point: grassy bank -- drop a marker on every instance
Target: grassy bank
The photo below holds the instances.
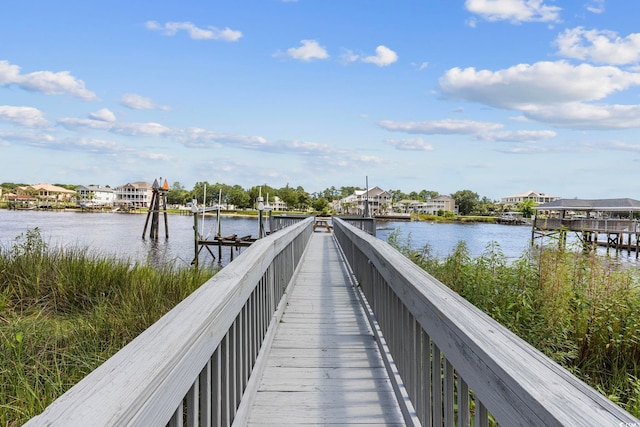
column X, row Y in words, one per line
column 65, row 311
column 582, row 310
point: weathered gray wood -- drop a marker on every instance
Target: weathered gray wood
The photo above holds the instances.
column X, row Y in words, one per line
column 324, row 366
column 146, row 381
column 517, row 383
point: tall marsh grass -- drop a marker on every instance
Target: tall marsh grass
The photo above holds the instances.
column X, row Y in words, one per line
column 580, row 309
column 65, row 311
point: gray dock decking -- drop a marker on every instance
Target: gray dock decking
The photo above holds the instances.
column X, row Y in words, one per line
column 324, row 366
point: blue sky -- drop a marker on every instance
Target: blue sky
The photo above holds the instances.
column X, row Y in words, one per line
column 495, row 96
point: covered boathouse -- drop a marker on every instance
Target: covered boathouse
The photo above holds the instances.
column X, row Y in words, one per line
column 612, row 223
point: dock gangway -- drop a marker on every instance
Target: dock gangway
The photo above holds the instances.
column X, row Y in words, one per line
column 318, row 328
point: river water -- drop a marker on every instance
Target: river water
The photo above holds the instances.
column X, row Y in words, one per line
column 120, row 235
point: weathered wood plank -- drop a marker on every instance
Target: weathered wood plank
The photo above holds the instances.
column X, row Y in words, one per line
column 324, row 366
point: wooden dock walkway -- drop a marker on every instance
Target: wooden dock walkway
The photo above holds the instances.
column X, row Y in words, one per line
column 324, row 366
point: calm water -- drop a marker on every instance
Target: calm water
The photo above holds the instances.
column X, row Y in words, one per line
column 120, row 235
column 443, row 237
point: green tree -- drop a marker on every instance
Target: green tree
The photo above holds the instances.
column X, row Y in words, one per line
column 304, row 199
column 467, row 201
column 427, row 194
column 289, row 196
column 238, row 197
column 346, row 191
column 526, row 207
column 177, row 194
column 330, row 193
column 320, row 204
column 397, row 195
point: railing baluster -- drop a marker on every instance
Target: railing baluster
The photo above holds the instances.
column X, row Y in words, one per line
column 482, row 415
column 205, row 395
column 436, row 385
column 449, row 415
column 216, row 379
column 224, row 380
column 427, row 369
column 232, row 367
column 464, row 418
column 193, row 404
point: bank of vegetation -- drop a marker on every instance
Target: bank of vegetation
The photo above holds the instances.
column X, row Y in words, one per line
column 64, row 311
column 582, row 310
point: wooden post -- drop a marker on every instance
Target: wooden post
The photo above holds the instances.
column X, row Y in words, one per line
column 154, row 211
column 195, row 237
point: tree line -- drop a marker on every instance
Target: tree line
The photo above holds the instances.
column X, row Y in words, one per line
column 296, row 198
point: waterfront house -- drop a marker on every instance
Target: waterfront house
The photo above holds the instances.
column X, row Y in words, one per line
column 46, row 193
column 536, row 196
column 276, row 205
column 377, row 199
column 134, row 195
column 95, row 196
column 431, row 206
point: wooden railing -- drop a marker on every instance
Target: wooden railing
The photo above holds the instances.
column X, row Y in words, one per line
column 193, row 366
column 588, row 224
column 364, row 224
column 278, row 222
column 457, row 365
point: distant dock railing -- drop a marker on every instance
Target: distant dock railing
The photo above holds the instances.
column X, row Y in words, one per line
column 588, row 224
column 278, row 222
column 437, row 339
column 193, row 366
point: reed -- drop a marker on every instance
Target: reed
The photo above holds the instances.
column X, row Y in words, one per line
column 64, row 311
column 580, row 309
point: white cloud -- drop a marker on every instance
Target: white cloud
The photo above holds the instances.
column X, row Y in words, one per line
column 518, row 136
column 141, row 129
column 104, row 114
column 309, row 50
column 580, row 115
column 410, row 144
column 605, row 47
column 551, row 92
column 196, row 33
column 30, row 138
column 515, row 11
column 24, row 116
column 137, row 102
column 595, row 6
column 155, row 156
column 383, row 57
column 121, row 128
column 442, row 127
column 45, row 82
column 543, row 83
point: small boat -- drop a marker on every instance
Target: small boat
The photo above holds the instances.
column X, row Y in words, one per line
column 512, row 218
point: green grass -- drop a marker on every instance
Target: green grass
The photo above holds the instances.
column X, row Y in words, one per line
column 580, row 309
column 65, row 311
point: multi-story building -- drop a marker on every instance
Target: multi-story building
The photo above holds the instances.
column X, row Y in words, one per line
column 46, row 192
column 537, row 197
column 95, row 195
column 277, row 204
column 375, row 199
column 134, row 194
column 432, row 206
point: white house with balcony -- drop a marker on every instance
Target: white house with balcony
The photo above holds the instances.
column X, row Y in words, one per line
column 377, row 199
column 536, row 196
column 95, row 196
column 134, row 194
column 433, row 206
